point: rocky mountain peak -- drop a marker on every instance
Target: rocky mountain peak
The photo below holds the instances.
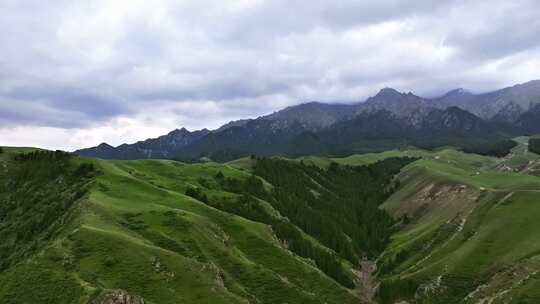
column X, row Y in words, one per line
column 458, row 92
column 388, row 93
column 181, row 132
column 400, row 104
column 104, row 146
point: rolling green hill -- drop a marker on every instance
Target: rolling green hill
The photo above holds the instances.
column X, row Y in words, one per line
column 132, row 228
column 468, row 231
column 450, row 227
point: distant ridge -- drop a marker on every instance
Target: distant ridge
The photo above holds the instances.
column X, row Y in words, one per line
column 161, row 147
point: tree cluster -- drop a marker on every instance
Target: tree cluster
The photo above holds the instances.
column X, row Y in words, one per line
column 534, row 145
column 498, row 148
column 197, row 194
column 338, row 206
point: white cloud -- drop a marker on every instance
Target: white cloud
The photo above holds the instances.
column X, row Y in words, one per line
column 116, row 132
column 117, row 71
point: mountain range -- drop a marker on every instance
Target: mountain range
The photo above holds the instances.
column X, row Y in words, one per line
column 390, row 119
column 405, row 225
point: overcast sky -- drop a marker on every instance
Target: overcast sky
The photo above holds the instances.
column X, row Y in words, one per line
column 77, row 73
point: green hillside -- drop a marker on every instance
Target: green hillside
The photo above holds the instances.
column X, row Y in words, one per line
column 132, row 228
column 469, row 230
column 442, row 226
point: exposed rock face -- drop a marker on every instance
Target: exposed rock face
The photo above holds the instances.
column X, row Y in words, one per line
column 509, row 113
column 505, row 104
column 530, row 120
column 312, row 116
column 118, row 297
column 453, row 120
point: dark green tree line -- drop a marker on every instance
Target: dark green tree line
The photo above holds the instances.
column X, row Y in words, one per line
column 338, row 206
column 534, row 145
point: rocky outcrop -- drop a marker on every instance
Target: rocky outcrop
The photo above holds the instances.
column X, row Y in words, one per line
column 366, row 281
column 118, row 296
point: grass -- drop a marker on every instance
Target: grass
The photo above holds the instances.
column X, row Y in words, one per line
column 38, row 198
column 136, row 230
column 470, row 221
column 244, row 254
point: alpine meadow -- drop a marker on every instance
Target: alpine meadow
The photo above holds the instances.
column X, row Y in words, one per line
column 265, row 151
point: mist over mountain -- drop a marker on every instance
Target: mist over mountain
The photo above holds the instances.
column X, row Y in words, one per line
column 506, row 104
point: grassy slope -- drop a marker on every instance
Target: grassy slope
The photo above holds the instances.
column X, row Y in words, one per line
column 471, row 234
column 137, row 231
column 479, row 217
column 249, row 260
column 472, row 225
column 37, row 270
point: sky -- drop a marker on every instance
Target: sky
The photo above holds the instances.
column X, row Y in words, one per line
column 74, row 74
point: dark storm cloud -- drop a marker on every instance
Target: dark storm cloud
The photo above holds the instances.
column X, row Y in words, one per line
column 63, row 109
column 44, row 104
column 221, row 89
column 83, row 64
